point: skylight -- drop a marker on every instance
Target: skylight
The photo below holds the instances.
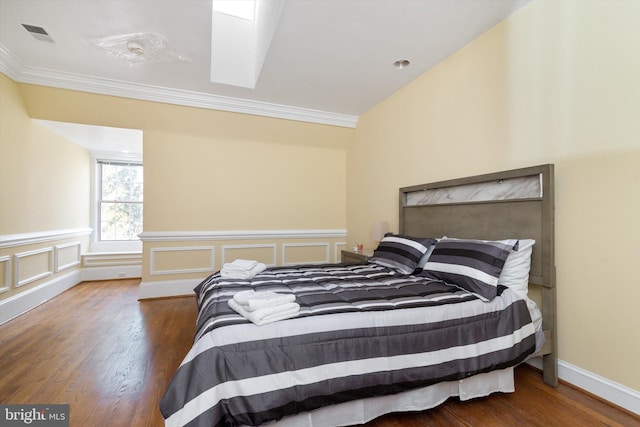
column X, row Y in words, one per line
column 245, row 9
column 239, row 45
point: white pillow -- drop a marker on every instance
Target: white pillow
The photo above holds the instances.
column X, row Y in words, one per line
column 515, row 273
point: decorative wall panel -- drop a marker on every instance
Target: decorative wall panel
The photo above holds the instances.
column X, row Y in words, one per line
column 305, row 253
column 5, row 273
column 265, row 253
column 182, row 260
column 33, row 265
column 67, row 255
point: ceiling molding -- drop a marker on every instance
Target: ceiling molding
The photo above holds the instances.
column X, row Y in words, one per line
column 10, row 66
column 14, row 69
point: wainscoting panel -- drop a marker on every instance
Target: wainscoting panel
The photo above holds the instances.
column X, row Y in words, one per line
column 33, row 265
column 265, row 253
column 182, row 260
column 5, row 273
column 107, row 259
column 37, row 266
column 305, row 253
column 111, row 265
column 173, row 263
column 337, row 250
column 67, row 255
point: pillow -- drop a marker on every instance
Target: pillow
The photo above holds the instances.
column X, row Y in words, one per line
column 515, row 273
column 400, row 252
column 473, row 265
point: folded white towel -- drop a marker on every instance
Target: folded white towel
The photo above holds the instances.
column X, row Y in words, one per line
column 240, row 264
column 268, row 314
column 232, row 273
column 252, row 300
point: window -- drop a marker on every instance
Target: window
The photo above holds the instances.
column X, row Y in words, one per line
column 119, row 209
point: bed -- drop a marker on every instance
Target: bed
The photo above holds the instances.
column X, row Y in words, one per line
column 404, row 331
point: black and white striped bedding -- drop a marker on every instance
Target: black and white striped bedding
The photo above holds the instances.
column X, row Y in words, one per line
column 363, row 330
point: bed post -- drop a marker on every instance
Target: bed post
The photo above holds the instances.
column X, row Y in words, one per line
column 549, row 318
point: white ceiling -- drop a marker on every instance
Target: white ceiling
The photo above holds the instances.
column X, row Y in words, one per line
column 329, row 60
column 100, row 140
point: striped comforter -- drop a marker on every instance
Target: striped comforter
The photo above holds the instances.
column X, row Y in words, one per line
column 363, row 330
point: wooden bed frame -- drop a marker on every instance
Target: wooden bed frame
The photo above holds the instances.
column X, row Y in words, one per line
column 515, row 204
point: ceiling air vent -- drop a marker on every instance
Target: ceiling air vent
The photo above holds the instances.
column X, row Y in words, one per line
column 38, row 32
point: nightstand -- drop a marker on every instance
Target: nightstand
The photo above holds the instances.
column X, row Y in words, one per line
column 351, row 257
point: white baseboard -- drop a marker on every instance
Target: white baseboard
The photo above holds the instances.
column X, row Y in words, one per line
column 608, row 390
column 168, row 288
column 21, row 303
column 112, row 272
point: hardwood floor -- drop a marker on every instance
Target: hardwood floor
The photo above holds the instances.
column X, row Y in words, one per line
column 111, row 357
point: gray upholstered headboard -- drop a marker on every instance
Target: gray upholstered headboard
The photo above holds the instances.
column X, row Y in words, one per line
column 514, row 204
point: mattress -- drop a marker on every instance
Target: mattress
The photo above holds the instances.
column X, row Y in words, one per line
column 363, row 332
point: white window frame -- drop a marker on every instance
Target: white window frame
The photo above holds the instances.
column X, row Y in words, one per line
column 96, row 244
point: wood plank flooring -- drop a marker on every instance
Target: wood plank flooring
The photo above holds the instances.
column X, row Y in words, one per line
column 111, row 357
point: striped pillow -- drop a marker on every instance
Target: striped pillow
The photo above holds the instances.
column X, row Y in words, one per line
column 400, row 252
column 473, row 265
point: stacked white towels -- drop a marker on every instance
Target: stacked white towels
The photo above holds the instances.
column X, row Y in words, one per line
column 264, row 307
column 242, row 269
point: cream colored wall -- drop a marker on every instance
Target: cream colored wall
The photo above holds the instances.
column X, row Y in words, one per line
column 44, row 188
column 208, row 171
column 555, row 83
column 242, row 182
column 44, row 178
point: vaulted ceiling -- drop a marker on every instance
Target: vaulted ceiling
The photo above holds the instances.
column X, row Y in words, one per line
column 325, row 61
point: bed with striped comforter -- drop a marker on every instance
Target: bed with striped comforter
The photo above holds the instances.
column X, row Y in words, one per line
column 363, row 330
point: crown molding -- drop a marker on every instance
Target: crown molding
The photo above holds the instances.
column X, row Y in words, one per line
column 11, row 66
